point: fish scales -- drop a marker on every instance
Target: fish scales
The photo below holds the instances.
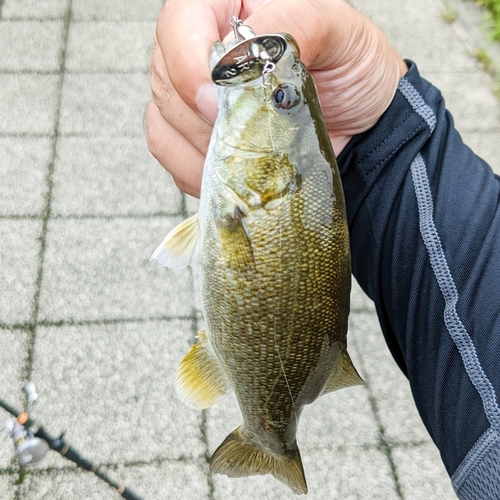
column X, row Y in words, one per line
column 272, row 243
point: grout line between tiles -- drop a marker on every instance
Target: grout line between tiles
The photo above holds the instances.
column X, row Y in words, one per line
column 98, row 217
column 41, row 471
column 36, row 19
column 48, row 200
column 384, row 446
column 96, row 322
column 21, row 217
column 204, row 438
column 184, row 459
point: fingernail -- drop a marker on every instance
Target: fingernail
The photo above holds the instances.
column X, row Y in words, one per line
column 206, row 102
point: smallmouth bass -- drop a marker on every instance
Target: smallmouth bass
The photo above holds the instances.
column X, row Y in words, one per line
column 272, row 242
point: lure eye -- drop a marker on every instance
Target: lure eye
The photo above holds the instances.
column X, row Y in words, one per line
column 285, row 96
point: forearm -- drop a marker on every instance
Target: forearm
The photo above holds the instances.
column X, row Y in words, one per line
column 425, row 232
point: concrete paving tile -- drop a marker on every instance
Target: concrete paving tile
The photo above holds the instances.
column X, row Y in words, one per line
column 111, row 388
column 74, row 484
column 192, row 204
column 350, row 474
column 472, row 111
column 100, row 269
column 18, row 268
column 406, row 9
column 340, row 419
column 252, row 487
column 195, row 271
column 104, row 105
column 13, row 354
column 412, row 42
column 114, row 176
column 222, row 418
column 353, row 474
column 34, row 9
column 23, row 170
column 7, row 488
column 7, row 457
column 388, row 385
column 359, row 300
column 186, row 479
column 31, row 45
column 116, row 10
column 485, row 144
column 109, row 46
column 425, row 459
column 28, row 103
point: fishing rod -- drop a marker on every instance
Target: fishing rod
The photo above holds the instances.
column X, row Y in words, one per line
column 32, row 442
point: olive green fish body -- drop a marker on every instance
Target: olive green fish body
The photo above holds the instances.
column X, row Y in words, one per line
column 272, row 241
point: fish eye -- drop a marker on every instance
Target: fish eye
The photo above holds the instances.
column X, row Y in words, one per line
column 285, row 97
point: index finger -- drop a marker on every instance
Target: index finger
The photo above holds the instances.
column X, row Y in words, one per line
column 186, row 31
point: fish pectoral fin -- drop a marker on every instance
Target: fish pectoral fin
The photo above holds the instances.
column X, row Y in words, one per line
column 344, row 376
column 200, row 381
column 235, row 240
column 181, row 246
column 238, row 457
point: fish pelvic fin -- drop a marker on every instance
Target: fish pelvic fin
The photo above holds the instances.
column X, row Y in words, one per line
column 200, row 381
column 344, row 376
column 238, row 457
column 180, row 248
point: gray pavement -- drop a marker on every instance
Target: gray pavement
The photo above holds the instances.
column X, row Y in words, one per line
column 100, row 329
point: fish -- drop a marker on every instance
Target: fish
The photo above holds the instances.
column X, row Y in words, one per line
column 272, row 244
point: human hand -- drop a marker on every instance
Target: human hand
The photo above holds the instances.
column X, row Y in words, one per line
column 355, row 69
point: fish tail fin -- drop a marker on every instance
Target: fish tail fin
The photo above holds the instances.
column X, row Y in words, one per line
column 238, row 457
column 200, row 381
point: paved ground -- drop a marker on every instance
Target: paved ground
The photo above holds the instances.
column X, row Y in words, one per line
column 100, row 329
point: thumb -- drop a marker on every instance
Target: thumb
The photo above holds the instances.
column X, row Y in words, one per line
column 185, row 40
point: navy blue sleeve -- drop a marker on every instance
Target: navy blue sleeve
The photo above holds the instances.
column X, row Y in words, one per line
column 424, row 219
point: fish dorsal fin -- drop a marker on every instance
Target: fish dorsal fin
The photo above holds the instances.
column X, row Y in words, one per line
column 181, row 246
column 238, row 457
column 200, row 381
column 344, row 376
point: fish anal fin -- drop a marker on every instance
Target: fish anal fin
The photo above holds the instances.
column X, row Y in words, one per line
column 180, row 247
column 200, row 381
column 238, row 457
column 343, row 376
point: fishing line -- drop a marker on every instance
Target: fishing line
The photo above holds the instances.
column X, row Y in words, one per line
column 284, row 373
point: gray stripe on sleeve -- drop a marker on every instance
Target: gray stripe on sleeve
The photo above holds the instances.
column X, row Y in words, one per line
column 441, row 270
column 417, row 102
column 478, row 476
